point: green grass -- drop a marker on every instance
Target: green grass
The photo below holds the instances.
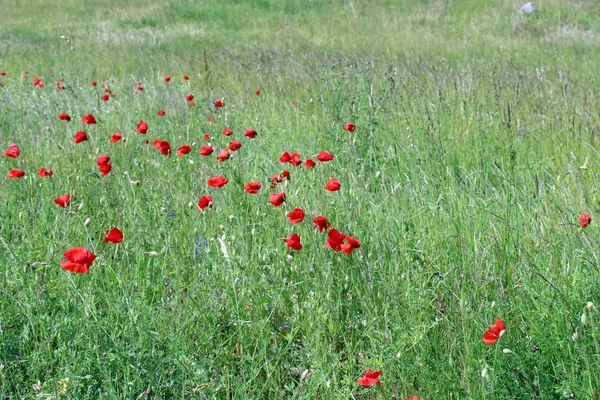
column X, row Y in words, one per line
column 474, row 155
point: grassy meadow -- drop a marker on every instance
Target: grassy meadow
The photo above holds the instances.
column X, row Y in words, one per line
column 475, row 153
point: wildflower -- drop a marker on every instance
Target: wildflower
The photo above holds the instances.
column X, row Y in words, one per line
column 63, row 201
column 15, row 173
column 205, row 201
column 142, row 127
column 370, row 378
column 42, row 173
column 94, row 83
column 277, row 199
column 250, row 133
column 181, row 151
column 257, row 91
column 296, row 216
column 115, row 137
column 186, row 78
column 494, row 333
column 163, row 146
column 88, row 119
column 223, row 155
column 189, row 97
column 335, row 240
column 161, row 113
column 293, row 242
column 114, row 235
column 206, row 150
column 80, row 136
column 309, row 163
column 324, row 156
column 79, row 260
column 234, row 146
column 585, row 220
column 64, row 117
column 252, row 187
column 217, row 181
column 333, row 185
column 219, row 104
column 13, row 151
column 349, row 127
column 227, row 132
column 167, row 78
column 321, row 223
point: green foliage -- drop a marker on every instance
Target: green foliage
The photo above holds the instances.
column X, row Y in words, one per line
column 474, row 154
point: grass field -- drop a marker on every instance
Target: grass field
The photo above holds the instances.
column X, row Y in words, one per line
column 474, row 155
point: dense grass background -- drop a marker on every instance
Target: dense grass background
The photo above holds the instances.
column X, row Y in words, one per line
column 474, row 154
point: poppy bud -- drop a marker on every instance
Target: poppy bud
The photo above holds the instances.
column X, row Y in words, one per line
column 80, row 207
column 191, row 204
column 153, row 254
column 87, row 223
column 484, row 372
column 493, row 304
column 398, row 355
column 290, row 257
column 589, row 306
column 575, row 336
column 507, row 351
column 584, row 318
column 222, row 227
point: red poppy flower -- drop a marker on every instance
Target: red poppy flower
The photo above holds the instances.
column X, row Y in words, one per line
column 584, row 219
column 189, row 97
column 295, row 161
column 413, row 398
column 142, row 127
column 350, row 245
column 80, row 136
column 114, row 236
column 140, row 88
column 63, row 201
column 105, row 169
column 293, row 242
column 163, row 146
column 186, row 78
column 94, row 83
column 277, row 199
column 183, row 150
column 105, row 97
column 161, row 113
column 102, row 160
column 36, row 81
column 13, row 151
column 252, row 187
column 15, row 173
column 321, row 223
column 335, row 240
column 64, row 117
column 494, row 333
column 219, row 104
column 3, row 73
column 234, row 146
column 227, row 132
column 285, row 157
column 257, row 91
column 42, row 173
column 88, row 119
column 370, row 378
column 167, row 78
column 206, row 136
column 206, row 150
column 333, row 185
column 223, row 155
column 324, row 156
column 349, row 127
column 250, row 133
column 60, row 86
column 296, row 216
column 79, row 260
column 115, row 137
column 309, row 163
column 205, row 201
column 217, row 181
